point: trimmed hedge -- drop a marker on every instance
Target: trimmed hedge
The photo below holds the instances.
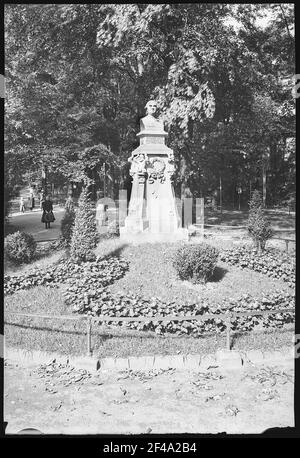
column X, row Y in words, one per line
column 259, row 227
column 195, row 262
column 84, row 233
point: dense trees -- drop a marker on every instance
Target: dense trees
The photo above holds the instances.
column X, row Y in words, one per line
column 78, row 77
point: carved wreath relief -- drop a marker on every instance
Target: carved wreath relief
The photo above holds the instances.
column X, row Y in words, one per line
column 156, row 170
column 154, row 167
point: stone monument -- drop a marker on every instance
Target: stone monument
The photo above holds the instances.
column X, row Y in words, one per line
column 152, row 212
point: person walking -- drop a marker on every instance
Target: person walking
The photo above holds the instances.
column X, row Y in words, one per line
column 47, row 216
column 22, row 205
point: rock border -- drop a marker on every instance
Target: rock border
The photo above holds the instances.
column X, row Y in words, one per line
column 223, row 359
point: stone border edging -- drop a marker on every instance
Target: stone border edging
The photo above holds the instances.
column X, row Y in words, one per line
column 223, row 359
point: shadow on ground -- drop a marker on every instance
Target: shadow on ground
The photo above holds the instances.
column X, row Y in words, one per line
column 218, row 275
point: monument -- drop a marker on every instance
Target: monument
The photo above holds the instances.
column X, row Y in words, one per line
column 152, row 213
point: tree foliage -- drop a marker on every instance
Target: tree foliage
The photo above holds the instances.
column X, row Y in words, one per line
column 78, row 77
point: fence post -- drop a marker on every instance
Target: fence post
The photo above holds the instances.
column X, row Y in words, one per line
column 228, row 325
column 89, row 335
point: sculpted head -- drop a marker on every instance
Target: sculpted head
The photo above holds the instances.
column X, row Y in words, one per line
column 151, row 107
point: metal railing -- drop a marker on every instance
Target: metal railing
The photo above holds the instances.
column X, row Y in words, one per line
column 225, row 317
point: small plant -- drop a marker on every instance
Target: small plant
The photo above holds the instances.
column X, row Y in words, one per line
column 113, row 230
column 19, row 247
column 84, row 235
column 67, row 223
column 259, row 227
column 196, row 262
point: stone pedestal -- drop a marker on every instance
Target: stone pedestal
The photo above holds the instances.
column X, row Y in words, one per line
column 152, row 213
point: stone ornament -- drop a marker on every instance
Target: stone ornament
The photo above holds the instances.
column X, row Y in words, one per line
column 156, row 170
column 138, row 164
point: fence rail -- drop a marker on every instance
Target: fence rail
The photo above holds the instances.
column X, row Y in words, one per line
column 226, row 317
column 222, row 226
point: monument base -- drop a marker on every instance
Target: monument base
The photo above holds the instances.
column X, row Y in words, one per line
column 135, row 225
column 146, row 236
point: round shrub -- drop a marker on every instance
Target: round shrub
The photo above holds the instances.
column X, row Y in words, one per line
column 19, row 247
column 195, row 262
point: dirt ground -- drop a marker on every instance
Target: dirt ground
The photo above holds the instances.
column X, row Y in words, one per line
column 57, row 399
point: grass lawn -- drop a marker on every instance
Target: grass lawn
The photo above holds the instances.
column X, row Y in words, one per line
column 150, row 274
column 42, row 261
column 283, row 226
column 69, row 337
column 279, row 221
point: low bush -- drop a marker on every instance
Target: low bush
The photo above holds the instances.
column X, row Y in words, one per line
column 272, row 262
column 195, row 262
column 19, row 247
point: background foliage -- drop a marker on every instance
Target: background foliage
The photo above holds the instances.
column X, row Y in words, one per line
column 78, row 77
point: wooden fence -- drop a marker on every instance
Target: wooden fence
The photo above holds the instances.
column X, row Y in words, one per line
column 225, row 317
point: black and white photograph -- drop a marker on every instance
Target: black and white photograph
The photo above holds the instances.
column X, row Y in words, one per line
column 149, row 219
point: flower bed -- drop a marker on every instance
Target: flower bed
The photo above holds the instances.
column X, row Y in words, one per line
column 87, row 293
column 135, row 306
column 80, row 277
column 271, row 262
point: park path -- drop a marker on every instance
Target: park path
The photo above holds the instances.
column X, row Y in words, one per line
column 57, row 399
column 30, row 222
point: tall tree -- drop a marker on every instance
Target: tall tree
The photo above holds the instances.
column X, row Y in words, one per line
column 78, row 77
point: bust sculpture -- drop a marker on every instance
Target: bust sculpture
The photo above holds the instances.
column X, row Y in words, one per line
column 150, row 122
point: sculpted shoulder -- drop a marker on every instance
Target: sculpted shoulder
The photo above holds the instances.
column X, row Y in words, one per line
column 149, row 122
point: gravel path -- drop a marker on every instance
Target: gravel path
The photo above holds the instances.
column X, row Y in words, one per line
column 60, row 399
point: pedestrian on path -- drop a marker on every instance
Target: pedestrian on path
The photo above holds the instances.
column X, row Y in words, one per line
column 22, row 205
column 47, row 216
